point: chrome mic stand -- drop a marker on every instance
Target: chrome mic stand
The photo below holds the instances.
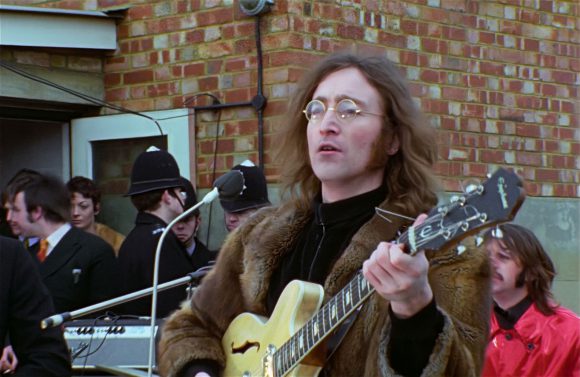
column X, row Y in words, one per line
column 192, row 279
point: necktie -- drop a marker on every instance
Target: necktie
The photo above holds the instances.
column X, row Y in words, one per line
column 42, row 249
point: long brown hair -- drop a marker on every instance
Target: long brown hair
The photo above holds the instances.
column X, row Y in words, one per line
column 538, row 271
column 408, row 173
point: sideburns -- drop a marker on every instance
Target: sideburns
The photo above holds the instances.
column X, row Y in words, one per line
column 379, row 153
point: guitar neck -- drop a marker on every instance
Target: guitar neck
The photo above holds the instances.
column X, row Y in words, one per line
column 332, row 314
column 483, row 206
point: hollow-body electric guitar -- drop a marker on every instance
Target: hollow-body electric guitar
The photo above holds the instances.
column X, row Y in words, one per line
column 282, row 345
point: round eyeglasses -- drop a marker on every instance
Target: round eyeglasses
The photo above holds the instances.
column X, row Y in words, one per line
column 345, row 109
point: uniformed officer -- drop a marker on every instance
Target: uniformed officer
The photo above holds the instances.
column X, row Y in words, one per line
column 157, row 193
column 253, row 197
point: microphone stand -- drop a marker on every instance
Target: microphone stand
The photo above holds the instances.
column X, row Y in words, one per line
column 58, row 319
column 210, row 196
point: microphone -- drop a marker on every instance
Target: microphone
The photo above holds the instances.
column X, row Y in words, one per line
column 230, row 185
column 227, row 186
column 55, row 320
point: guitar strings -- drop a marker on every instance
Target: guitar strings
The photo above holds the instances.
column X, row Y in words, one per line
column 292, row 345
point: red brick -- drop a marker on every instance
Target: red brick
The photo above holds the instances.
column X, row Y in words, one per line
column 492, row 69
column 139, row 76
column 350, row 31
column 475, row 170
column 529, row 16
column 510, row 27
column 195, row 69
column 239, row 95
column 493, row 157
column 112, row 79
column 550, row 175
column 214, row 17
column 456, row 94
column 551, row 146
column 140, row 12
column 530, row 159
column 195, row 36
column 118, row 94
column 208, row 84
column 528, row 130
column 392, row 40
column 214, row 66
column 566, row 191
column 487, row 37
column 531, row 45
column 409, row 27
column 474, row 110
column 564, row 77
column 454, row 33
column 563, row 162
column 285, row 58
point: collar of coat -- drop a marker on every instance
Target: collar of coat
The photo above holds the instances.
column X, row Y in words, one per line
column 271, row 232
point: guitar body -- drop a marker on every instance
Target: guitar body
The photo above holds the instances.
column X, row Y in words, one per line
column 246, row 341
column 289, row 343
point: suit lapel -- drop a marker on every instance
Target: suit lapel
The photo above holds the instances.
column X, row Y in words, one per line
column 67, row 247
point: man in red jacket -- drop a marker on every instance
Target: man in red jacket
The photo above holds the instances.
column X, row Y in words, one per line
column 531, row 335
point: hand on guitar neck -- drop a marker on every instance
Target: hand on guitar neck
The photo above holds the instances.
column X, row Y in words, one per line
column 400, row 277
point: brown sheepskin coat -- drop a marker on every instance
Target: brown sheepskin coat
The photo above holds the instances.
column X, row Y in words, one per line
column 239, row 283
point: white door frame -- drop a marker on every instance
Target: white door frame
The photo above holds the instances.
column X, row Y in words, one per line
column 174, row 124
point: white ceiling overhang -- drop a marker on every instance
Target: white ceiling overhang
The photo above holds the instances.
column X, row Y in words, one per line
column 56, row 28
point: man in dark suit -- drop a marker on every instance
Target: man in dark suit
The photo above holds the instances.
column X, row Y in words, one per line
column 24, row 302
column 78, row 268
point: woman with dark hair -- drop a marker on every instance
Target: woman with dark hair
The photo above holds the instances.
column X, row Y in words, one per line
column 85, row 205
column 355, row 141
column 531, row 335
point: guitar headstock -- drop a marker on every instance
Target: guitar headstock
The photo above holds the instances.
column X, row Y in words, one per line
column 495, row 201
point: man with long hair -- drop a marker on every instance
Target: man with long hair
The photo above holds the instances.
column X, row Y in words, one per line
column 354, row 141
column 531, row 335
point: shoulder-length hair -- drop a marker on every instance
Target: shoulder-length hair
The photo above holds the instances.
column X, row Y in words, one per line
column 408, row 173
column 538, row 271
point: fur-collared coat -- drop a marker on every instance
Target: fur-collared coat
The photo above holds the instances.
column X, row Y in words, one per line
column 239, row 283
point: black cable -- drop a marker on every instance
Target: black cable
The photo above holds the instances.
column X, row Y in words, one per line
column 86, row 97
column 216, row 100
column 260, row 96
column 213, row 173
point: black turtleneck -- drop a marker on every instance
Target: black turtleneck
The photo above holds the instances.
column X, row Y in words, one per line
column 507, row 318
column 323, row 240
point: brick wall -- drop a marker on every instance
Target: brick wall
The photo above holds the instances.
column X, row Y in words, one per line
column 500, row 79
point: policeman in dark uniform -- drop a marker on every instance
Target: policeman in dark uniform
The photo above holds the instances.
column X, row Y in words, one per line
column 156, row 191
column 186, row 231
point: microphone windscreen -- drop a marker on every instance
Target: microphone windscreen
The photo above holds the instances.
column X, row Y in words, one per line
column 230, row 185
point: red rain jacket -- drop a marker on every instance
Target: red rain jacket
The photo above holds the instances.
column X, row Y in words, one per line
column 538, row 346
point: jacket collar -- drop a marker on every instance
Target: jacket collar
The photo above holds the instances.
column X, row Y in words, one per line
column 62, row 252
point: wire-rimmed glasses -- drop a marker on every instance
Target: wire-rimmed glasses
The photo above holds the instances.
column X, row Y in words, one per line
column 345, row 110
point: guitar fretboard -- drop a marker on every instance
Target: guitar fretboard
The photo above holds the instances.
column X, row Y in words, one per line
column 321, row 324
column 332, row 314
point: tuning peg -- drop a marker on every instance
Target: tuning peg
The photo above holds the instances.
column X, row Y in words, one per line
column 497, row 232
column 471, row 186
column 478, row 241
column 457, row 199
column 460, row 249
